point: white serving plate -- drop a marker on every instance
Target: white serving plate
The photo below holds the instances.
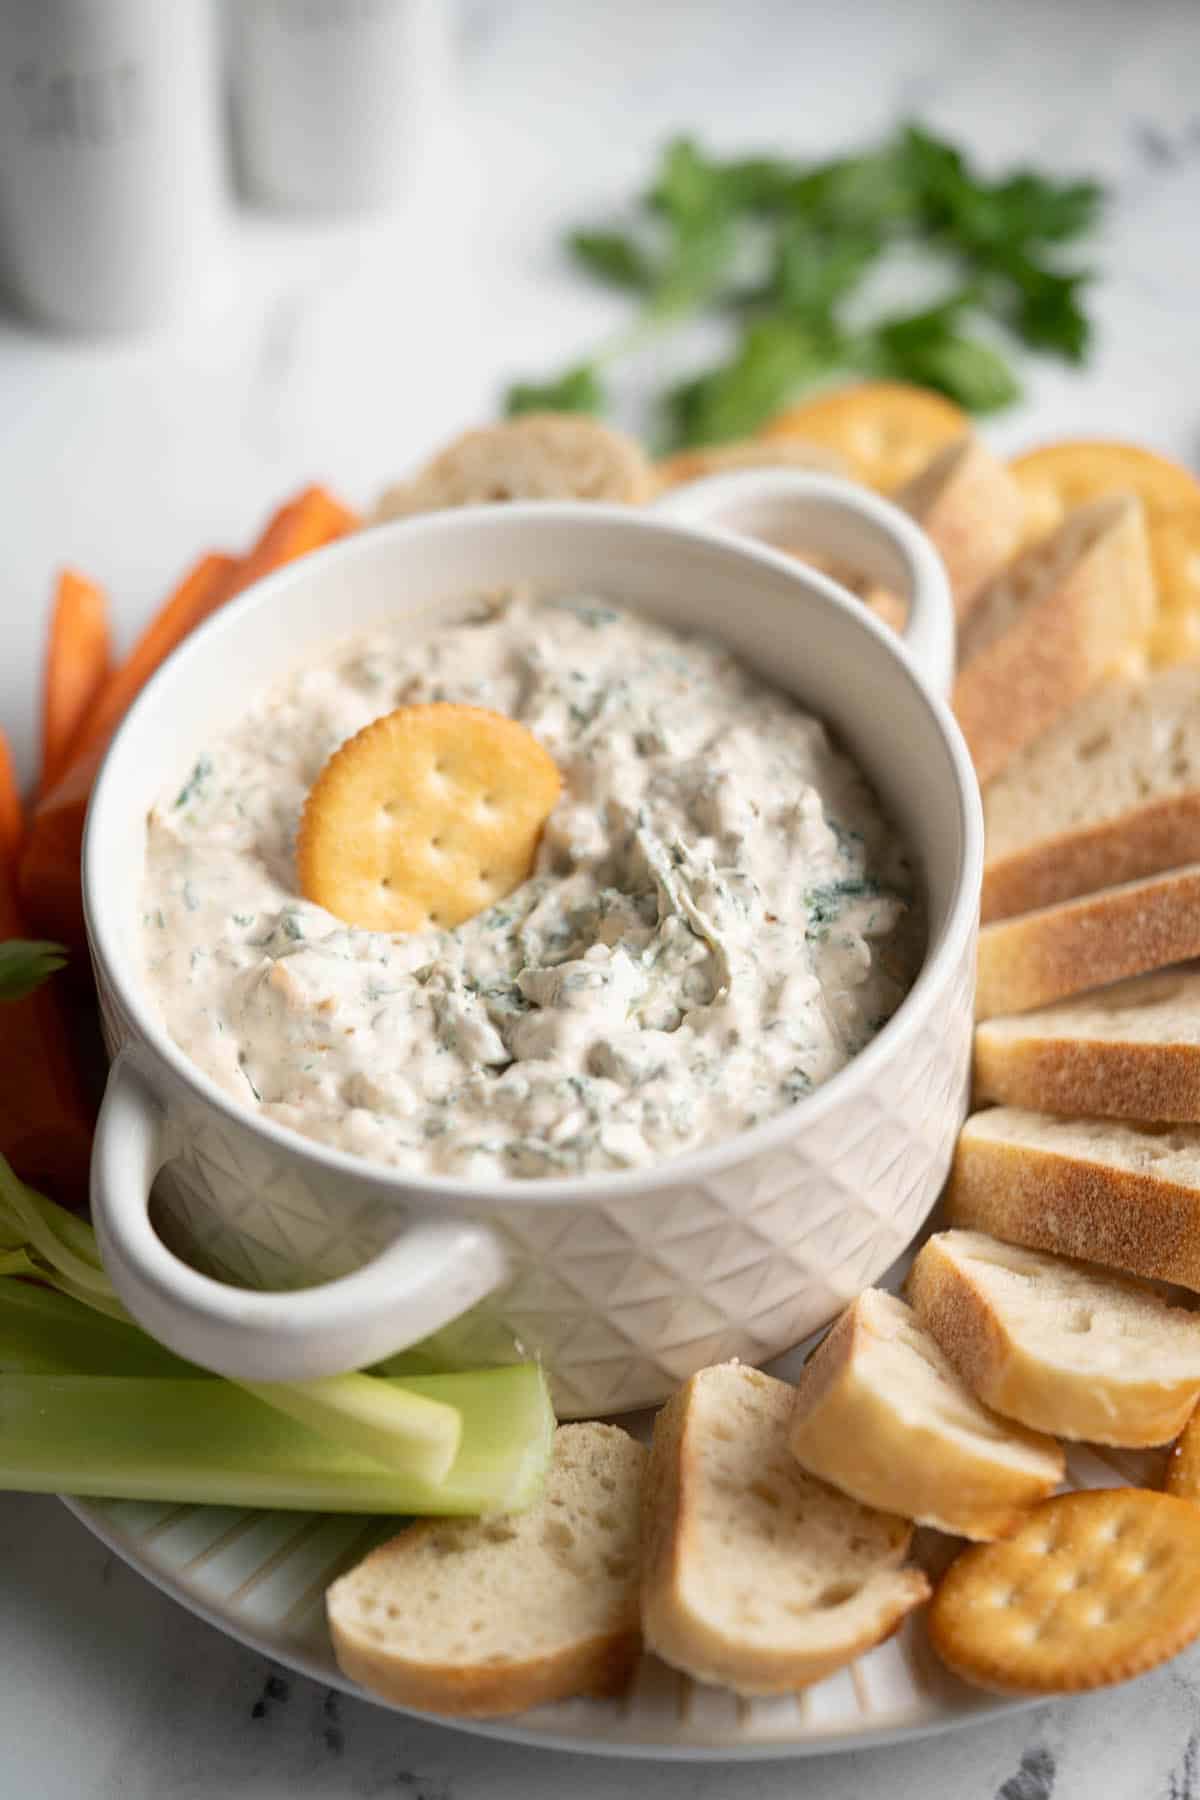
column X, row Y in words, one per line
column 261, row 1577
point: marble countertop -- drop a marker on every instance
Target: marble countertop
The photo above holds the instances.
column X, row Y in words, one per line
column 346, row 351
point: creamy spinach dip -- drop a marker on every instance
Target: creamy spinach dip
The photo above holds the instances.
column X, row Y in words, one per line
column 720, row 916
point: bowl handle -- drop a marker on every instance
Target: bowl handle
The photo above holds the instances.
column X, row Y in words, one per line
column 790, row 509
column 433, row 1270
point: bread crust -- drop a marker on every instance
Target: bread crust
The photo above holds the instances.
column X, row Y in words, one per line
column 953, row 1304
column 1075, row 1075
column 671, row 1502
column 973, row 512
column 1061, row 950
column 596, row 1668
column 537, row 456
column 1023, row 677
column 1160, row 835
column 593, row 1662
column 844, row 1431
column 1072, row 1205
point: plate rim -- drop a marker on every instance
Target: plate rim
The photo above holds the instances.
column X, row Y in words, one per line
column 831, row 1742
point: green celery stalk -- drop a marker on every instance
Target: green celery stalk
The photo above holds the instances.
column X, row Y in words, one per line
column 392, row 1424
column 387, row 1421
column 46, row 1333
column 51, row 1234
column 207, row 1442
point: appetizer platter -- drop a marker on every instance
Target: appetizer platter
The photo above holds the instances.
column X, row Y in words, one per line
column 647, row 1194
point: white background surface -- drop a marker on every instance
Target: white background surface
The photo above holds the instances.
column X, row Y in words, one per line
column 344, row 353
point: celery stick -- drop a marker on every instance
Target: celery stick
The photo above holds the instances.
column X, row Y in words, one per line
column 207, row 1442
column 68, row 1244
column 43, row 1332
column 384, row 1420
column 391, row 1423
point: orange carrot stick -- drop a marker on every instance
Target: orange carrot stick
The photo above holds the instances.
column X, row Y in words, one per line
column 45, row 1118
column 202, row 588
column 49, row 873
column 312, row 519
column 51, row 895
column 77, row 662
column 12, row 813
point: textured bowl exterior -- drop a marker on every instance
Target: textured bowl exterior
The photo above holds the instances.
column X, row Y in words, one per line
column 623, row 1299
column 625, row 1285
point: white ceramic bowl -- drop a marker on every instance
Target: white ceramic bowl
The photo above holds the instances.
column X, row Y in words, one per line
column 625, row 1283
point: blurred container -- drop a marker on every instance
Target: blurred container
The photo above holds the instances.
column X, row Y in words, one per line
column 109, row 158
column 334, row 98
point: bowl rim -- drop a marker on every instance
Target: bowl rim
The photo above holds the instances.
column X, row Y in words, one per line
column 941, row 962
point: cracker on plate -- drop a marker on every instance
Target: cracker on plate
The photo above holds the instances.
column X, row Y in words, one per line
column 886, row 431
column 1093, row 1588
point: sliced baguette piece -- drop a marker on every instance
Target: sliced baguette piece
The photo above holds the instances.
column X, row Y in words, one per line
column 1058, row 951
column 485, row 1617
column 1050, row 626
column 1109, row 794
column 542, row 456
column 1129, row 1051
column 1061, row 1346
column 1116, row 1194
column 972, row 509
column 755, row 1576
column 881, row 1414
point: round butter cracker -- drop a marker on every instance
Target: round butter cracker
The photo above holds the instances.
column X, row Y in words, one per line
column 1093, row 1588
column 428, row 816
column 887, row 431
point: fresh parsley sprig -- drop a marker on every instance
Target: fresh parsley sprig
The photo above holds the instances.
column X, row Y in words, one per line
column 781, row 249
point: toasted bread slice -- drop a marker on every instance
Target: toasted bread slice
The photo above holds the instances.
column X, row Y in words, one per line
column 489, row 1616
column 1057, row 951
column 1049, row 628
column 1109, row 794
column 881, row 1413
column 542, row 456
column 1063, row 1347
column 971, row 508
column 1119, row 1195
column 1129, row 1051
column 754, row 1575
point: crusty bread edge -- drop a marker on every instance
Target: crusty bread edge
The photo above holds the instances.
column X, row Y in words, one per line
column 1161, row 834
column 1071, row 1206
column 1017, row 1386
column 1111, row 1079
column 667, row 1629
column 935, row 1490
column 974, row 517
column 596, row 1666
column 1054, row 652
column 1048, row 955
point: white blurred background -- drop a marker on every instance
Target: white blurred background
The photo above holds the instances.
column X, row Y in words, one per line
column 344, row 350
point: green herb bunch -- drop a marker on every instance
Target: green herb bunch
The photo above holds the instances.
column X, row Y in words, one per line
column 779, row 251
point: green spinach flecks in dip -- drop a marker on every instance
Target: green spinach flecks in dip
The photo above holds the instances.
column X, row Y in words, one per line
column 720, row 916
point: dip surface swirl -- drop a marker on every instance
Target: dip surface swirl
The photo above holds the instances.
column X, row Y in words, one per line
column 719, row 919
